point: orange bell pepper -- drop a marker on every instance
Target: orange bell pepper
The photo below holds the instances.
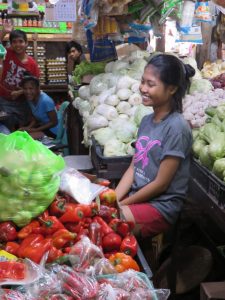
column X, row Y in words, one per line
column 123, row 262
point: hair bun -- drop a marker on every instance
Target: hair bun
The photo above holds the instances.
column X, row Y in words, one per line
column 190, row 71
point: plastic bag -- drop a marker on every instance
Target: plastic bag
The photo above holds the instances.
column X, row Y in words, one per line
column 84, row 255
column 135, row 283
column 78, row 285
column 78, row 186
column 202, row 12
column 29, row 177
column 22, row 273
column 107, row 292
column 103, row 266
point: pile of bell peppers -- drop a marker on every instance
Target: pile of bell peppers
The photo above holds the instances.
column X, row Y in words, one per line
column 64, row 223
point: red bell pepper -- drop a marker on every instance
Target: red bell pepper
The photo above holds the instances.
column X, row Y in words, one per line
column 12, row 247
column 57, row 208
column 44, row 215
column 108, row 213
column 108, row 197
column 111, row 242
column 121, row 227
column 12, row 270
column 7, row 232
column 95, row 233
column 86, row 209
column 50, row 225
column 104, row 226
column 83, row 232
column 73, row 213
column 71, row 291
column 54, row 254
column 74, row 227
column 61, row 237
column 28, row 229
column 34, row 247
column 129, row 245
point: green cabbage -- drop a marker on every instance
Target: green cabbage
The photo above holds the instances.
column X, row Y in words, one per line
column 197, row 147
column 219, row 167
column 208, row 132
column 205, row 159
column 217, row 146
column 220, row 111
column 200, row 86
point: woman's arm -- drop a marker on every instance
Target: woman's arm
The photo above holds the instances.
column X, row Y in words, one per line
column 167, row 170
column 125, row 183
column 53, row 121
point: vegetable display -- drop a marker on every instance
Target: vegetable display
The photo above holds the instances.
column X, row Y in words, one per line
column 209, row 142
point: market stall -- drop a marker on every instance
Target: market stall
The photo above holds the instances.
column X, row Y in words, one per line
column 62, row 235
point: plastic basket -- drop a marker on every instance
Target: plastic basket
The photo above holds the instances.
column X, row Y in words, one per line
column 108, row 167
column 2, row 52
column 142, row 276
column 217, row 189
column 200, row 173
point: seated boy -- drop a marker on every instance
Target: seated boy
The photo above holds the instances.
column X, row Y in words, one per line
column 44, row 115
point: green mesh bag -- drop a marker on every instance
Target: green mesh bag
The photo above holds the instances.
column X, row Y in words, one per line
column 29, row 177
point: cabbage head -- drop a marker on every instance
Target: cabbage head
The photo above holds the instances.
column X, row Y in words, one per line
column 217, row 146
column 219, row 167
column 220, row 111
column 115, row 147
column 197, row 147
column 205, row 159
column 103, row 135
column 208, row 132
column 140, row 112
column 200, row 86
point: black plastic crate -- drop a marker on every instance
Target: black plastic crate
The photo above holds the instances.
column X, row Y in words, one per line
column 217, row 189
column 108, row 167
column 200, row 173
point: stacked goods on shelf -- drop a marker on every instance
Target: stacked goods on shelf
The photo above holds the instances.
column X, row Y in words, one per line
column 41, row 60
column 56, row 70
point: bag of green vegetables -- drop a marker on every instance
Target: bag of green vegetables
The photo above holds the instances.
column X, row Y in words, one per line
column 29, row 177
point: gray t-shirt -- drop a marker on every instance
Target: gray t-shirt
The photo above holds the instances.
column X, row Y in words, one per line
column 171, row 137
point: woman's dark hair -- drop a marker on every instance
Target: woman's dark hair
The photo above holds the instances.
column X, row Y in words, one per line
column 172, row 71
column 73, row 44
column 17, row 34
column 30, row 78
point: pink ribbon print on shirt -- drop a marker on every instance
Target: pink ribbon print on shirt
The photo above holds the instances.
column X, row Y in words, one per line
column 142, row 150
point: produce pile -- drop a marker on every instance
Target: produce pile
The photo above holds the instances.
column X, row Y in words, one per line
column 79, row 245
column 209, row 141
column 111, row 105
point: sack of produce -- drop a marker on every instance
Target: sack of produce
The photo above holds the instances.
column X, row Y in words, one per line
column 29, row 177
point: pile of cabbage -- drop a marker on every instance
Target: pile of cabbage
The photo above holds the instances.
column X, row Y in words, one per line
column 111, row 105
column 209, row 142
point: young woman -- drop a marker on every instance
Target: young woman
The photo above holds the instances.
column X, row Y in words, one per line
column 157, row 178
column 44, row 116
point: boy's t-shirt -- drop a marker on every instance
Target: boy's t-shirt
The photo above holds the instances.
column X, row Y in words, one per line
column 13, row 70
column 171, row 137
column 40, row 110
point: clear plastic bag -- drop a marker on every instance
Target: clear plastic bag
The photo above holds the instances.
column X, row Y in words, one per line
column 78, row 285
column 78, row 186
column 107, row 292
column 29, row 177
column 103, row 266
column 84, row 255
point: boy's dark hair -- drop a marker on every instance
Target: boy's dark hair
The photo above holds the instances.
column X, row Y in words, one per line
column 172, row 71
column 30, row 78
column 73, row 44
column 17, row 33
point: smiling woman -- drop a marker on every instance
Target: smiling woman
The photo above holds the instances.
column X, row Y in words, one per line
column 152, row 191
